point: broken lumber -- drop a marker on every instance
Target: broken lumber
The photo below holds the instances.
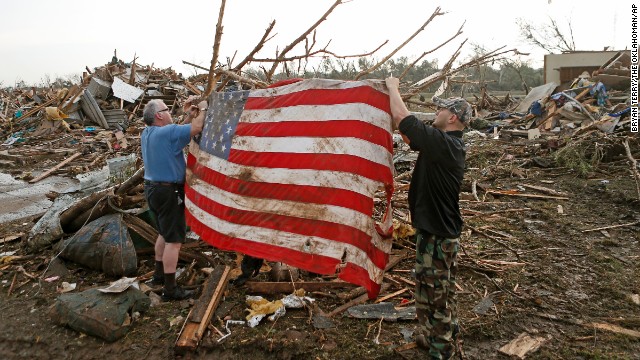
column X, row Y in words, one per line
column 612, row 226
column 36, row 109
column 393, row 261
column 200, row 316
column 533, row 196
column 10, row 238
column 522, row 345
column 48, row 172
column 289, row 287
column 357, row 301
column 387, row 297
column 545, row 190
column 616, row 329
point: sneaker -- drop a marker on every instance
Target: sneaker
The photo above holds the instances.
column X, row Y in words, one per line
column 178, row 293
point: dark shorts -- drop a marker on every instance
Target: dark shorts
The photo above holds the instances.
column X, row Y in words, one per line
column 166, row 202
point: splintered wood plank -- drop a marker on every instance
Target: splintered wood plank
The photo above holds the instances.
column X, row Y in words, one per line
column 357, row 301
column 389, row 296
column 533, row 196
column 200, row 315
column 616, row 329
column 522, row 345
column 35, row 109
column 11, row 238
column 215, row 300
column 48, row 172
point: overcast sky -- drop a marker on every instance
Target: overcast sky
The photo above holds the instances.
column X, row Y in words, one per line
column 59, row 38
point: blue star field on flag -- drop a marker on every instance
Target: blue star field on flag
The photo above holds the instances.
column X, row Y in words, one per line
column 222, row 119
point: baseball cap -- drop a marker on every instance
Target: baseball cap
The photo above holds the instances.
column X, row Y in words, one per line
column 456, row 105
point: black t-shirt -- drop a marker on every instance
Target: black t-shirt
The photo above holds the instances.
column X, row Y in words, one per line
column 436, row 179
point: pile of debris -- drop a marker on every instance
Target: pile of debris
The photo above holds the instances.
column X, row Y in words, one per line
column 597, row 101
column 87, row 123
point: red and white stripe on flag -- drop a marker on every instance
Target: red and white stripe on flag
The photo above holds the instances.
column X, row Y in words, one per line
column 289, row 174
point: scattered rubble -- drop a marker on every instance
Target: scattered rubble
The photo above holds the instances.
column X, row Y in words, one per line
column 90, row 132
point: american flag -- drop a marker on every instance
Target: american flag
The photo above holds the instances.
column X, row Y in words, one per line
column 289, row 174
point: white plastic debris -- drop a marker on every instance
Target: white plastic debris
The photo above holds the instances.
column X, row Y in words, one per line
column 121, row 285
column 226, row 326
column 65, row 287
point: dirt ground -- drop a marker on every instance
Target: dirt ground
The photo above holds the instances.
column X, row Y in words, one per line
column 533, row 262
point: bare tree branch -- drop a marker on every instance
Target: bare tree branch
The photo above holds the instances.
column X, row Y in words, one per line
column 448, row 71
column 257, row 48
column 295, row 42
column 318, row 52
column 404, row 73
column 241, row 79
column 373, row 68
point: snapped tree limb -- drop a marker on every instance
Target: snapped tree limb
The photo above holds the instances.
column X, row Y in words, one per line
column 374, row 67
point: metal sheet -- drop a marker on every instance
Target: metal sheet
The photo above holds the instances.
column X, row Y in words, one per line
column 124, row 91
column 91, row 108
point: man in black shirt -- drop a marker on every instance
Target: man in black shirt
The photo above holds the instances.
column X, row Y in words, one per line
column 435, row 213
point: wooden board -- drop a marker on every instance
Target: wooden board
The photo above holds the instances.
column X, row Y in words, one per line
column 48, row 172
column 200, row 315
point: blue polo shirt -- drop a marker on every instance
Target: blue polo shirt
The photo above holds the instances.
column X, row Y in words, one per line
column 162, row 152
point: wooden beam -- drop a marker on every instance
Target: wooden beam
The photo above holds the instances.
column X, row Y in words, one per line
column 389, row 296
column 357, row 301
column 393, row 261
column 10, row 238
column 200, row 316
column 533, row 196
column 545, row 190
column 289, row 287
column 612, row 226
column 48, row 172
column 192, row 88
column 36, row 109
column 616, row 329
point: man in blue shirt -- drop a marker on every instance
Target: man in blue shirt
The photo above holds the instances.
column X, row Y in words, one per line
column 435, row 213
column 165, row 169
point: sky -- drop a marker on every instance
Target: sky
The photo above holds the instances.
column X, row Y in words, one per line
column 46, row 38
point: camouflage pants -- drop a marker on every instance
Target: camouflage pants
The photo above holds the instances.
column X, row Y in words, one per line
column 436, row 268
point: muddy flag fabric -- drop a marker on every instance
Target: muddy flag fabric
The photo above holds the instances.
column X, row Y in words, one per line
column 289, row 173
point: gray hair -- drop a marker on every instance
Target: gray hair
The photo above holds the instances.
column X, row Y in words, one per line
column 150, row 111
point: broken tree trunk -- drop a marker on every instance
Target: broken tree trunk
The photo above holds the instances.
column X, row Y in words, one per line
column 79, row 210
column 149, row 234
column 131, row 182
column 216, row 50
column 96, row 204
